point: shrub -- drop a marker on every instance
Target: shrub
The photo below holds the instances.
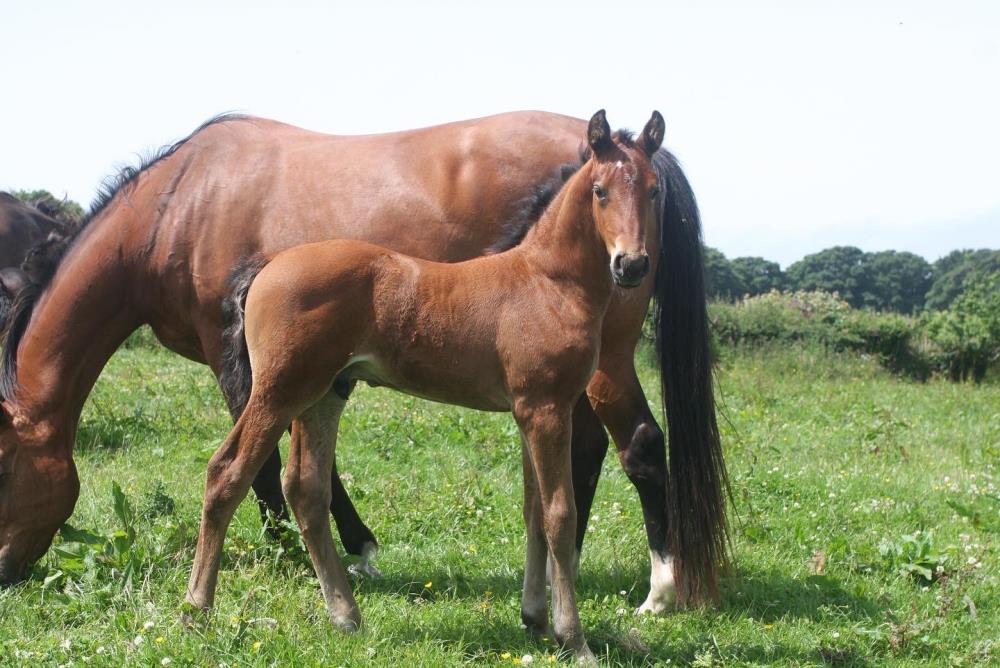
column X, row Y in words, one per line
column 823, row 318
column 964, row 341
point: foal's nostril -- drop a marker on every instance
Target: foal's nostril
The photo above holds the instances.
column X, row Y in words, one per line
column 616, row 263
column 632, row 268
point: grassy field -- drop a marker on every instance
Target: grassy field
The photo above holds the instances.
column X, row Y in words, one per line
column 865, row 533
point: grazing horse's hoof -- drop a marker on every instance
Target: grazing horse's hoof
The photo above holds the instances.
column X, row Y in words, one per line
column 662, row 590
column 365, row 566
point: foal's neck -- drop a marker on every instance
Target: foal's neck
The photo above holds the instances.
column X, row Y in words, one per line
column 565, row 245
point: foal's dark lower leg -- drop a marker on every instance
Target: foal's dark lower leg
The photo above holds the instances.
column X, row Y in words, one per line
column 590, row 445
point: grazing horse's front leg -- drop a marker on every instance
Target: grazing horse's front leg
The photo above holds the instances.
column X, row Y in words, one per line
column 590, row 445
column 618, row 399
column 545, row 428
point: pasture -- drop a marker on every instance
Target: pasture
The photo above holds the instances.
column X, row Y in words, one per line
column 865, row 532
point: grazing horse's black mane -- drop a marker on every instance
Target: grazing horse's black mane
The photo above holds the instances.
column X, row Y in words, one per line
column 531, row 208
column 43, row 259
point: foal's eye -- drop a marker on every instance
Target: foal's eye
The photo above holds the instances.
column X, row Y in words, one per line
column 654, row 192
column 600, row 192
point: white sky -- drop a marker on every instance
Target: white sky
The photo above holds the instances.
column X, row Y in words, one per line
column 801, row 125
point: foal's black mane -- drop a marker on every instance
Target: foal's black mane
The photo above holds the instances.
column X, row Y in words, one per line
column 530, row 209
column 43, row 259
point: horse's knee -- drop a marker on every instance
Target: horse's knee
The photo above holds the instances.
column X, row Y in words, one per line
column 645, row 457
column 309, row 497
column 291, row 487
column 560, row 519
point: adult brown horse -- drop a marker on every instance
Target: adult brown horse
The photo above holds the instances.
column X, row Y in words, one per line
column 448, row 332
column 159, row 244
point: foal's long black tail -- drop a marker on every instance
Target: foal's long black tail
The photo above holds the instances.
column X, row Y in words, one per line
column 236, row 378
column 697, row 481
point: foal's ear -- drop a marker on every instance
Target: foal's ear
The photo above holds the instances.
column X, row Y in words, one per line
column 599, row 133
column 652, row 134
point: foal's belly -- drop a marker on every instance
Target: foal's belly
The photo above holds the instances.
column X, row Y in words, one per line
column 446, row 383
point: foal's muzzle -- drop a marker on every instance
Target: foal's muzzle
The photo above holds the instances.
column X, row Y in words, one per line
column 628, row 269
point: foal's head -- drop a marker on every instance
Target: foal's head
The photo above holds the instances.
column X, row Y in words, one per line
column 625, row 188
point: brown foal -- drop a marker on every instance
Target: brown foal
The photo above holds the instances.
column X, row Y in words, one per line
column 448, row 332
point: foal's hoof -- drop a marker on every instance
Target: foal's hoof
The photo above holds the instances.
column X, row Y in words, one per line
column 346, row 623
column 585, row 657
column 578, row 645
column 193, row 616
column 536, row 625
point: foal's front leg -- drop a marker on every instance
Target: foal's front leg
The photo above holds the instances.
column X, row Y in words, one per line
column 546, row 432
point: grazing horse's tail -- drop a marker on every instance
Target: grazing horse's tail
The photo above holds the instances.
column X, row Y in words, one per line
column 236, row 377
column 697, row 482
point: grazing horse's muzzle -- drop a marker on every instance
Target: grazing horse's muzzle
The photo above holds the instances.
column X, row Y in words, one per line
column 11, row 576
column 628, row 269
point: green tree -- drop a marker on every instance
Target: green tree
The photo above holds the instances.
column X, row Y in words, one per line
column 758, row 275
column 955, row 270
column 64, row 210
column 895, row 281
column 721, row 282
column 965, row 339
column 840, row 269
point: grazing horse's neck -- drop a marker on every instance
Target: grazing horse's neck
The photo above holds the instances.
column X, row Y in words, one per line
column 565, row 244
column 77, row 324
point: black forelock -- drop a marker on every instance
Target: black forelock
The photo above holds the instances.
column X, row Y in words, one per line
column 625, row 137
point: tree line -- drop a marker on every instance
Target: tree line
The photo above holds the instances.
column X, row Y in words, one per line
column 884, row 281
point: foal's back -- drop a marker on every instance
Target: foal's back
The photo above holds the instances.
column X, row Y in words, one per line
column 464, row 333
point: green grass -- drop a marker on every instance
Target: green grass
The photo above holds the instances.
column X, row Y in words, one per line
column 834, row 463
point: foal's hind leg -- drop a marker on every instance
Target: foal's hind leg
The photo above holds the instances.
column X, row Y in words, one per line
column 534, row 607
column 307, row 486
column 230, row 472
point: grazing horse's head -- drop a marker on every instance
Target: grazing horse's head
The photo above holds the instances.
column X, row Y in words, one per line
column 38, row 489
column 625, row 187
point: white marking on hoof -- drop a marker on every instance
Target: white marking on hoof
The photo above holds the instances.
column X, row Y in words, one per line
column 365, row 566
column 662, row 589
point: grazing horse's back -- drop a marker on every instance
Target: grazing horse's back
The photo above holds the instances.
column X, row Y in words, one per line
column 246, row 186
